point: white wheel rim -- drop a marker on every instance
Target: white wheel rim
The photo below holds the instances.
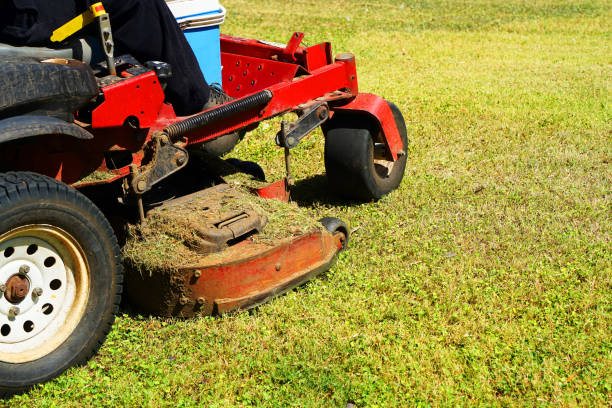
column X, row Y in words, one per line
column 56, row 265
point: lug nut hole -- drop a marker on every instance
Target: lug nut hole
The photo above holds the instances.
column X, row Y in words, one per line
column 5, row 330
column 8, row 252
column 49, row 262
column 28, row 326
column 47, row 308
column 32, row 249
column 55, row 284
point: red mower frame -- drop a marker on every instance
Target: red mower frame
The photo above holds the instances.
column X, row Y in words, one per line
column 133, row 108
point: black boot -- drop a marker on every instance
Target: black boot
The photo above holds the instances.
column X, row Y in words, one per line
column 222, row 144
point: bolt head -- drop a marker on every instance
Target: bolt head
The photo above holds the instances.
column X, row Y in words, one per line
column 141, row 185
column 24, row 269
column 2, row 288
column 290, row 140
column 37, row 292
column 13, row 311
column 197, row 274
column 201, row 301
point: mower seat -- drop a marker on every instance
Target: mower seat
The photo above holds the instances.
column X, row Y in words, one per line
column 55, row 88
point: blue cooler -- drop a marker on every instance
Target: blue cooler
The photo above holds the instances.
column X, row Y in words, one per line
column 200, row 21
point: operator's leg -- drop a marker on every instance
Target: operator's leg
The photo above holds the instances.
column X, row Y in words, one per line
column 147, row 30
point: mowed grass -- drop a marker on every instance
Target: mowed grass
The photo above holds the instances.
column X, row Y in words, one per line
column 485, row 279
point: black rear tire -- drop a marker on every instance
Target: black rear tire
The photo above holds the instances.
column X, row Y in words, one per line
column 61, row 221
column 47, row 89
column 352, row 167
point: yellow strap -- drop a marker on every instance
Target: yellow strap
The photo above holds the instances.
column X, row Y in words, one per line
column 78, row 22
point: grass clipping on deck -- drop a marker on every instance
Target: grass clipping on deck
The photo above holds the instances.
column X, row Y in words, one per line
column 166, row 239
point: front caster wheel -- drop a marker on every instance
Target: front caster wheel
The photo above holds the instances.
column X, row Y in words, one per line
column 336, row 226
column 60, row 278
column 355, row 160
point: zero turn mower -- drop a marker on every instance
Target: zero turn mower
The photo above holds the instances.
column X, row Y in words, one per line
column 92, row 157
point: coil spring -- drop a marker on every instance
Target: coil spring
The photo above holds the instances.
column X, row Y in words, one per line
column 222, row 112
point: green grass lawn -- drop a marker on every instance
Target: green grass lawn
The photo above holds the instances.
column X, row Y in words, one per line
column 485, row 279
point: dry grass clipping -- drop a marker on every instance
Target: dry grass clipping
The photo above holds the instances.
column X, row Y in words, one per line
column 168, row 237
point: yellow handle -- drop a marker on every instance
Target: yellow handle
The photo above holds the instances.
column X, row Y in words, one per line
column 78, row 22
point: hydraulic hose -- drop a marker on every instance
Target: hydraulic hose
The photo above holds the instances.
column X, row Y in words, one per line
column 224, row 111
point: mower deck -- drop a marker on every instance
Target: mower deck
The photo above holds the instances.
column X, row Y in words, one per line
column 217, row 251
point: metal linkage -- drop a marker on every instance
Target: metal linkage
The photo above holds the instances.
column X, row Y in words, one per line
column 291, row 133
column 311, row 118
column 167, row 158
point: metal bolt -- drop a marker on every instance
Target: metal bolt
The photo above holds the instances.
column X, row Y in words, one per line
column 322, row 113
column 197, row 274
column 13, row 311
column 2, row 288
column 164, row 140
column 141, row 185
column 24, row 269
column 183, row 300
column 290, row 140
column 37, row 292
column 180, row 159
column 201, row 301
column 401, row 153
column 277, row 267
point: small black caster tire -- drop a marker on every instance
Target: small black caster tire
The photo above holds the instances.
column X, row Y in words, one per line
column 335, row 225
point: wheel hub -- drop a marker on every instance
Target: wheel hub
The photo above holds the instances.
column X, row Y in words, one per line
column 44, row 283
column 17, row 288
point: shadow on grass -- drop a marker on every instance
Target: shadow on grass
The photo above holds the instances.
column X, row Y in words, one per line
column 316, row 190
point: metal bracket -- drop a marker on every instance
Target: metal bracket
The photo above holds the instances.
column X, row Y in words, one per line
column 167, row 159
column 311, row 118
column 106, row 36
column 293, row 44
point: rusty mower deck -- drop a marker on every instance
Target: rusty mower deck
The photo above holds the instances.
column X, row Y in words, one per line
column 216, row 250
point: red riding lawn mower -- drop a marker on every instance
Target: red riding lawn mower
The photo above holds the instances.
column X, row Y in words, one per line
column 92, row 157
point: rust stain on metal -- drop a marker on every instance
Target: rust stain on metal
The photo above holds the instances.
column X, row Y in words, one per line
column 241, row 277
column 17, row 288
column 228, row 260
